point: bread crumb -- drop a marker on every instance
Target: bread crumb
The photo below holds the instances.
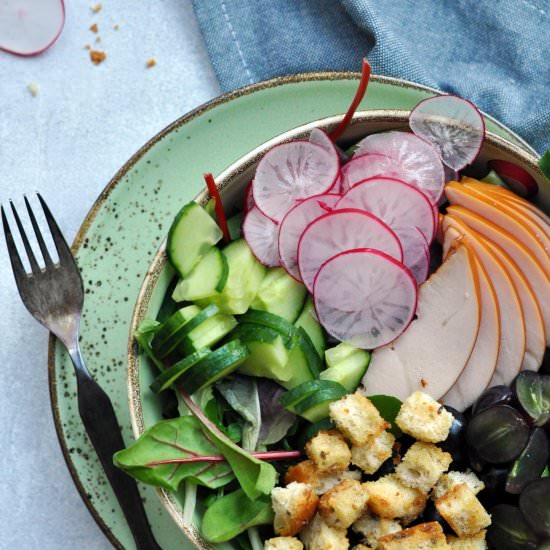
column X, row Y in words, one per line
column 98, row 39
column 87, row 47
column 151, row 62
column 94, row 28
column 96, row 8
column 116, row 27
column 33, row 89
column 97, row 57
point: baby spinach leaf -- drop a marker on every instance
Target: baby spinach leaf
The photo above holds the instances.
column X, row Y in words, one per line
column 544, row 164
column 170, row 439
column 232, row 514
column 255, row 476
column 241, row 393
column 388, row 406
column 143, row 335
column 276, row 419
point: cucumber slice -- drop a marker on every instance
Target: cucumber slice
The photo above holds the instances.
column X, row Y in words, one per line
column 243, row 281
column 315, row 407
column 339, row 353
column 270, row 320
column 291, row 398
column 207, row 278
column 172, row 326
column 170, row 375
column 303, row 361
column 206, row 333
column 308, row 321
column 268, row 352
column 493, row 178
column 191, row 236
column 349, row 370
column 218, row 364
column 234, row 224
column 280, row 294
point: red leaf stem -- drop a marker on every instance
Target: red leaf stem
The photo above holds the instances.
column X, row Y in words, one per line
column 361, row 90
column 220, row 213
column 262, row 455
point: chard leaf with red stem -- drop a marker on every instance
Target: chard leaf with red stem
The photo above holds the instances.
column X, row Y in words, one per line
column 218, row 206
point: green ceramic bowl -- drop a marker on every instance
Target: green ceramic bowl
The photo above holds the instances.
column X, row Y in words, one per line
column 145, row 407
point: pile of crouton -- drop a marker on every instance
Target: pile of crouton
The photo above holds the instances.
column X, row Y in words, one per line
column 323, row 497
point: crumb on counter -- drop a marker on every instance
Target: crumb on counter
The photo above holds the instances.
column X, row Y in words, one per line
column 87, row 47
column 94, row 28
column 96, row 8
column 33, row 89
column 98, row 39
column 97, row 57
column 116, row 27
column 151, row 62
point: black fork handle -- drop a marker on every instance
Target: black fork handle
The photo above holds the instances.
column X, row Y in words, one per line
column 100, row 421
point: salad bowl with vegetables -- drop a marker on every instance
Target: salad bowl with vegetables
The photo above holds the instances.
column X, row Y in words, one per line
column 343, row 285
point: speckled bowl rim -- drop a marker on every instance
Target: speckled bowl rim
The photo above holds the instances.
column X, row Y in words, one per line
column 224, row 179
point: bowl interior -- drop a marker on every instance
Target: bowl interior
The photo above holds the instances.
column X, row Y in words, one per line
column 146, row 407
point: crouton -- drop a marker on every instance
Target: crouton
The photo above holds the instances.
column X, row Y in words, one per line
column 294, row 506
column 307, row 472
column 450, row 479
column 424, row 418
column 476, row 542
column 357, row 418
column 461, row 509
column 283, row 543
column 390, row 499
column 422, row 466
column 426, row 536
column 329, row 451
column 320, row 536
column 374, row 528
column 371, row 456
column 343, row 504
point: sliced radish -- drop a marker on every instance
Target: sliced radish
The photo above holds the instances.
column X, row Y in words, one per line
column 339, row 231
column 519, row 181
column 453, row 125
column 28, row 27
column 367, row 166
column 248, row 197
column 418, row 161
column 395, row 202
column 337, row 187
column 321, row 138
column 450, row 174
column 293, row 225
column 416, row 253
column 364, row 297
column 260, row 233
column 290, row 172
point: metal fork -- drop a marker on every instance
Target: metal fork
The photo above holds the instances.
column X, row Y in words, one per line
column 54, row 296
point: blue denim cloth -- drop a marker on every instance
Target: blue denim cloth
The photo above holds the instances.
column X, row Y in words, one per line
column 494, row 52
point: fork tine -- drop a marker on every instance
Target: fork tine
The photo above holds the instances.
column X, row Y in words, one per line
column 16, row 264
column 30, row 254
column 43, row 248
column 63, row 250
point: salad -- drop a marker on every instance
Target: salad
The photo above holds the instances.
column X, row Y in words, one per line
column 351, row 358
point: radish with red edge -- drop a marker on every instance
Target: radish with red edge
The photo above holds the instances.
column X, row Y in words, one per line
column 519, row 180
column 395, row 202
column 290, row 172
column 294, row 224
column 453, row 125
column 364, row 297
column 418, row 161
column 321, row 138
column 260, row 233
column 28, row 27
column 367, row 166
column 450, row 174
column 248, row 198
column 416, row 253
column 339, row 231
